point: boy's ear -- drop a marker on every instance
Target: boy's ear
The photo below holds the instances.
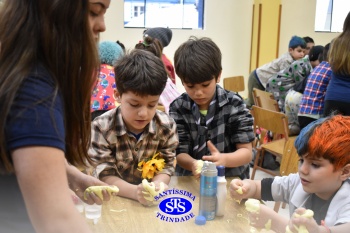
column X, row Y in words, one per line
column 345, row 173
column 218, row 79
column 117, row 95
column 290, row 50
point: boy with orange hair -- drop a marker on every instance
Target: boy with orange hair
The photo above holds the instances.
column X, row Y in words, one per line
column 322, row 184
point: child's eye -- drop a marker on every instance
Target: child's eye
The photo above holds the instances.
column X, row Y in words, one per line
column 134, row 105
column 315, row 165
column 301, row 161
column 190, row 86
column 205, row 85
column 151, row 106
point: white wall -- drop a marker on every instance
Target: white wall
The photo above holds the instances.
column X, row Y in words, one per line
column 298, row 18
column 228, row 23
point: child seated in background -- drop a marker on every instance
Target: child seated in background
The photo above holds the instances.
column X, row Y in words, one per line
column 213, row 124
column 291, row 82
column 102, row 98
column 309, row 44
column 322, row 184
column 134, row 131
column 295, row 93
column 312, row 101
column 170, row 91
column 259, row 77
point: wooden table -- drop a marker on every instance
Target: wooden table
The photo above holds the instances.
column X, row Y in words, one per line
column 125, row 215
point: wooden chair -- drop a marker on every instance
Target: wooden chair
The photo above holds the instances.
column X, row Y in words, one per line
column 235, row 83
column 265, row 100
column 275, row 122
column 289, row 163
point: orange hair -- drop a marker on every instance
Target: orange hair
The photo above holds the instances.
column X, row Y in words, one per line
column 331, row 140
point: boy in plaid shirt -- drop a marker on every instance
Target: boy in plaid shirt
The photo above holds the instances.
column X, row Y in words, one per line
column 135, row 131
column 213, row 124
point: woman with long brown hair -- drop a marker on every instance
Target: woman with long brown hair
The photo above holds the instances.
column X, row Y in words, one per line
column 48, row 60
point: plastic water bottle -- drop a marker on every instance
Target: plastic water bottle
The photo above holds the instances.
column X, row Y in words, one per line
column 221, row 192
column 208, row 187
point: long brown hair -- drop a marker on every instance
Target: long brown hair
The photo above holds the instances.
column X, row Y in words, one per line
column 57, row 34
column 339, row 53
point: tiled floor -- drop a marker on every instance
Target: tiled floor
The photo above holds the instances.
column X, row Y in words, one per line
column 260, row 175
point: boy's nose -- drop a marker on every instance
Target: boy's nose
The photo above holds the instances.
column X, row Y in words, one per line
column 142, row 112
column 303, row 168
column 198, row 92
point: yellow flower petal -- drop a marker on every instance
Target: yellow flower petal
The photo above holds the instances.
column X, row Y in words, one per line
column 140, row 163
column 150, row 167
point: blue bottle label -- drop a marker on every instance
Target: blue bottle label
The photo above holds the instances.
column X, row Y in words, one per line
column 208, row 185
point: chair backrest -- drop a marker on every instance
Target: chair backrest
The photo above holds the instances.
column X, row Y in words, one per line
column 290, row 158
column 235, row 83
column 267, row 103
column 265, row 100
column 276, row 122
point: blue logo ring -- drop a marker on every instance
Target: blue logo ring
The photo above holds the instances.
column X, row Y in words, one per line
column 175, row 206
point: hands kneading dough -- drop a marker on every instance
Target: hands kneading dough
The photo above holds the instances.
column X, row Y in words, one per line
column 98, row 190
column 150, row 188
column 301, row 228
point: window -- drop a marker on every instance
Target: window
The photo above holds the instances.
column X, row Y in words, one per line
column 187, row 14
column 330, row 15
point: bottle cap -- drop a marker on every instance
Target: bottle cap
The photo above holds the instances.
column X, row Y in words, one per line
column 212, row 166
column 200, row 220
column 221, row 170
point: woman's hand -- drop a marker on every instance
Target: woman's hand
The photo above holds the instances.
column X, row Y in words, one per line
column 80, row 182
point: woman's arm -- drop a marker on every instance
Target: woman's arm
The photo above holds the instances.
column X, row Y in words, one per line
column 42, row 177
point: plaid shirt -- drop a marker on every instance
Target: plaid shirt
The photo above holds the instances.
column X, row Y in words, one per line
column 118, row 153
column 232, row 124
column 313, row 98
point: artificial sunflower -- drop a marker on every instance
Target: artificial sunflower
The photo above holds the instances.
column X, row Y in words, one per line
column 150, row 167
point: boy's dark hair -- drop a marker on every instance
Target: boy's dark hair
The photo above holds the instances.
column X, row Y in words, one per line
column 308, row 39
column 140, row 72
column 296, row 41
column 316, row 52
column 325, row 52
column 198, row 60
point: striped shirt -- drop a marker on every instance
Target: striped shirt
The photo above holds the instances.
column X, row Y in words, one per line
column 117, row 152
column 232, row 124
